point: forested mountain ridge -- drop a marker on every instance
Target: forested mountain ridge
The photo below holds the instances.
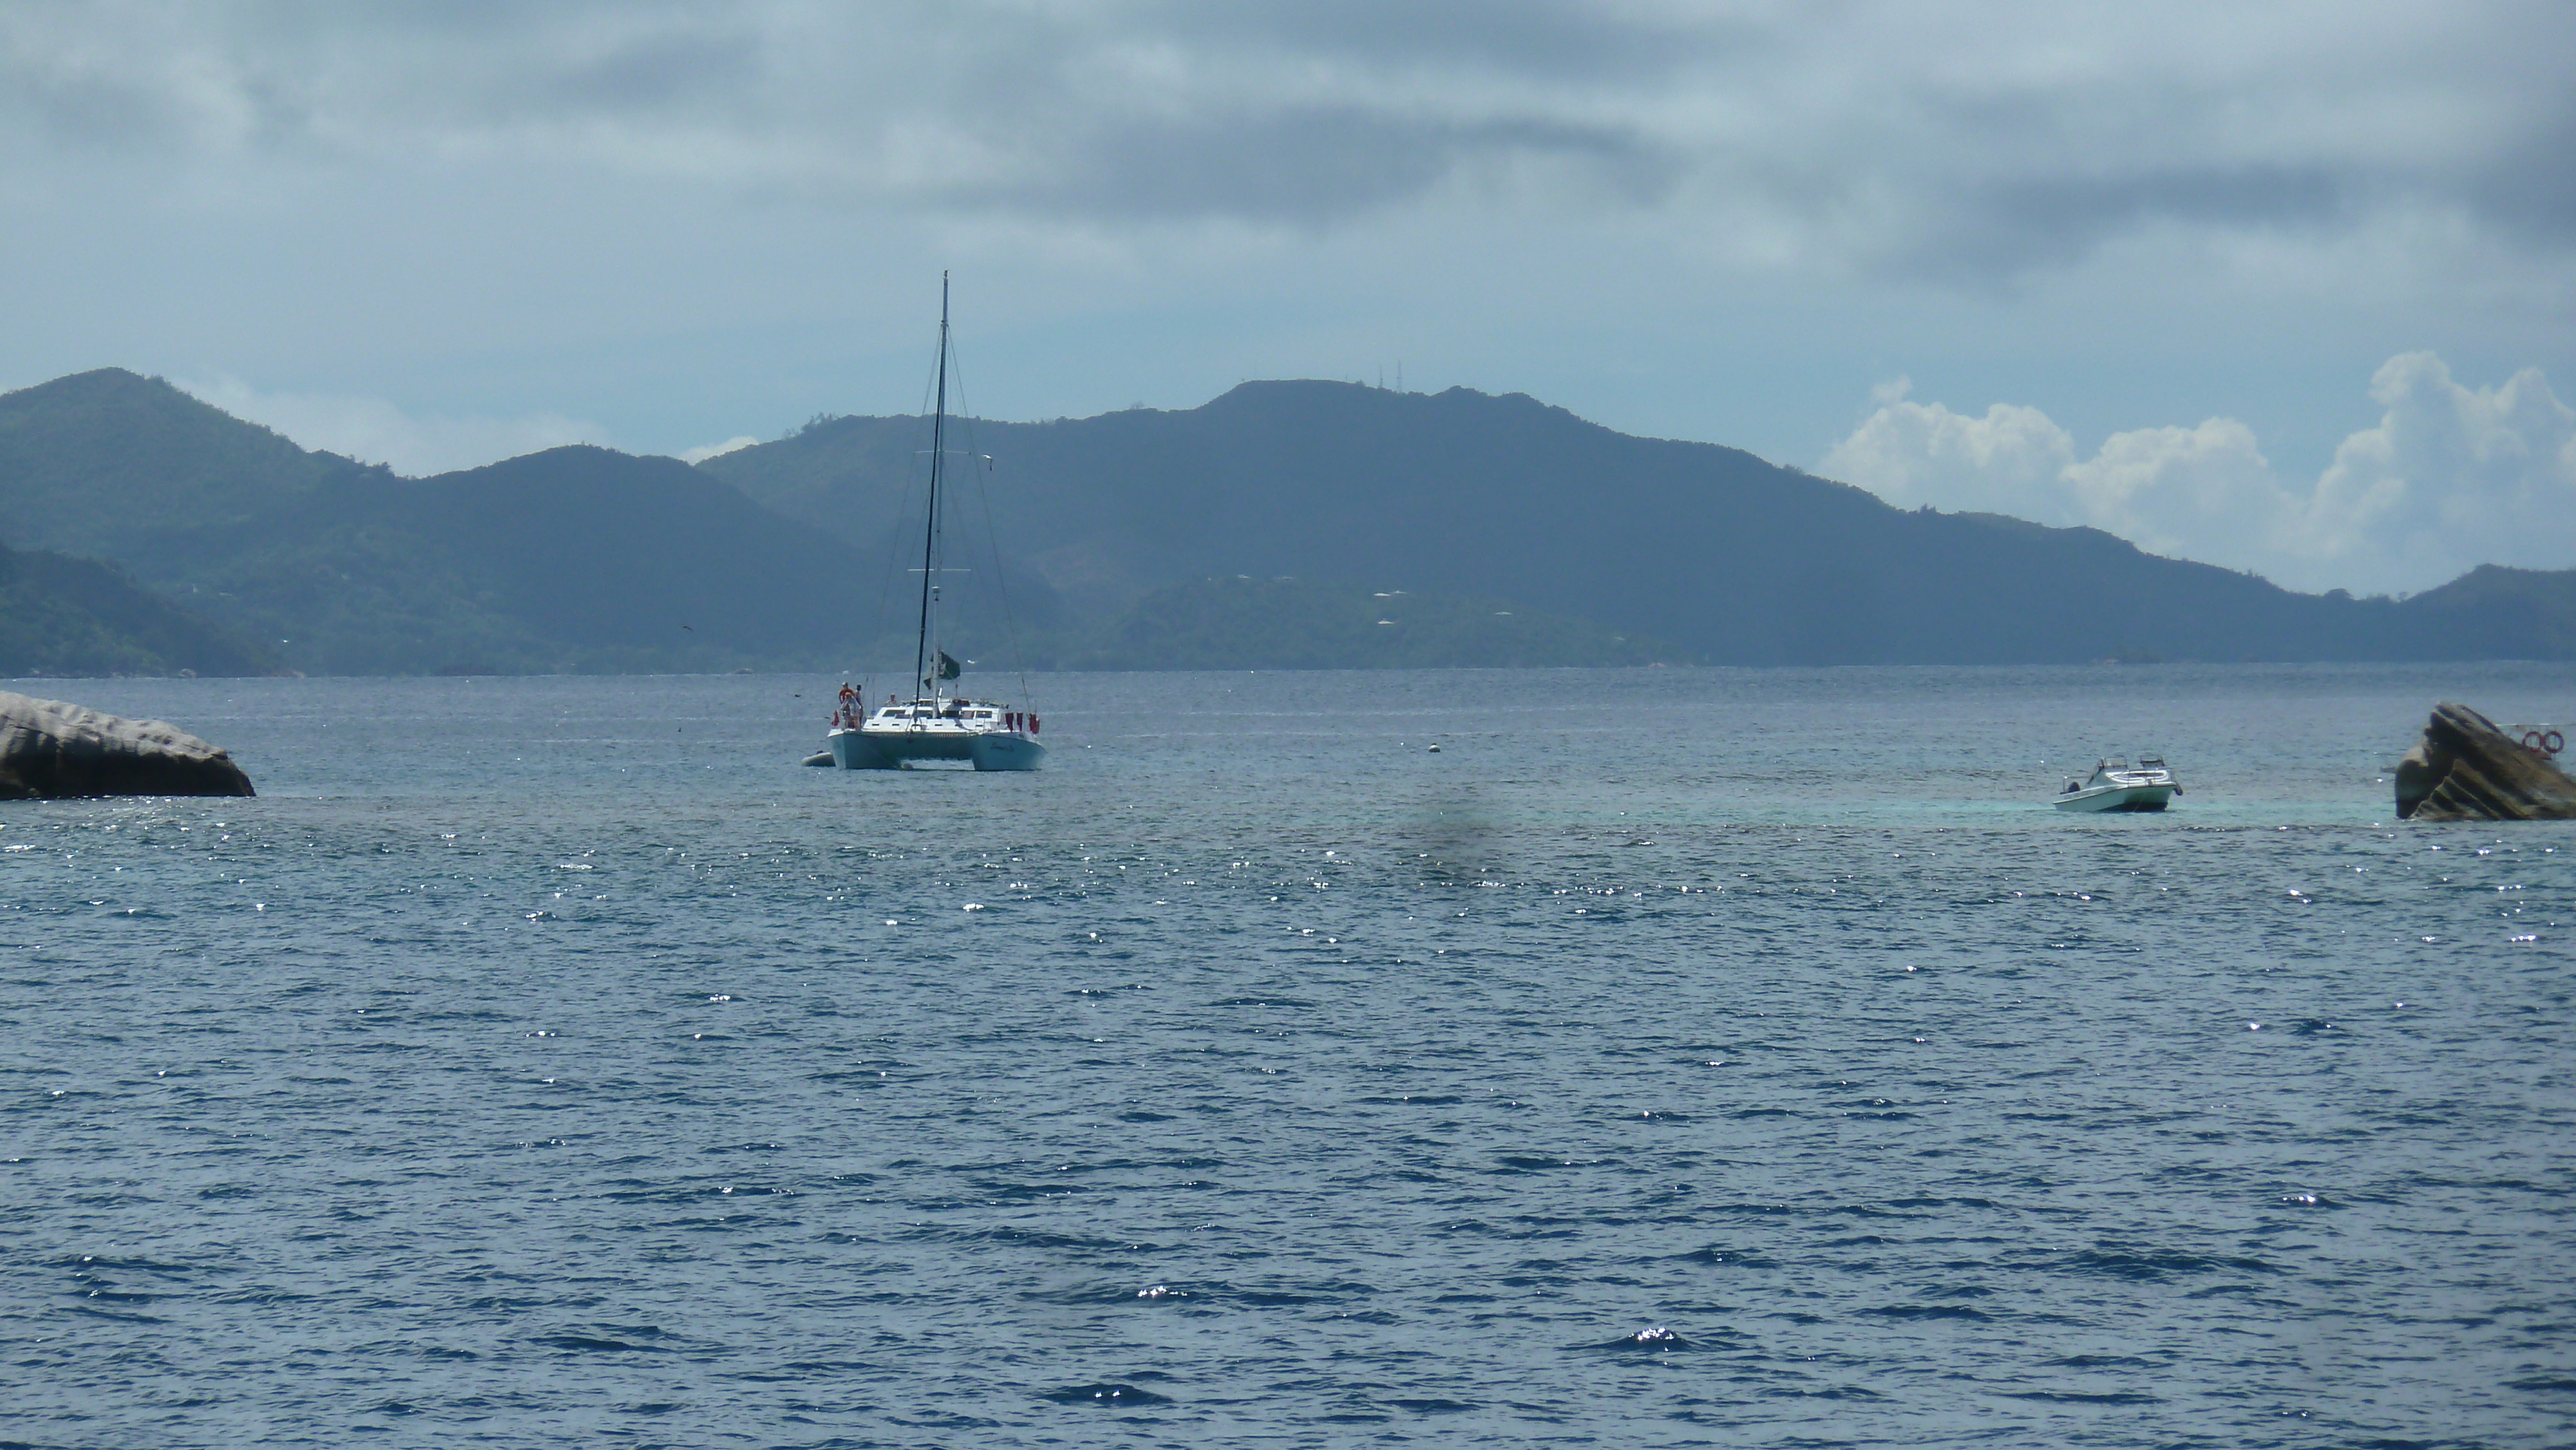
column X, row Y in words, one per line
column 575, row 558
column 1731, row 559
column 108, row 464
column 1261, row 530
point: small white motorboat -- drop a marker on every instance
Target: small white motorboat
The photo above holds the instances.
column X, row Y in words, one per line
column 2116, row 785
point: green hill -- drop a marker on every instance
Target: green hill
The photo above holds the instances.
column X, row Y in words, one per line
column 574, row 559
column 2533, row 609
column 65, row 616
column 1469, row 495
column 1513, row 532
column 107, row 464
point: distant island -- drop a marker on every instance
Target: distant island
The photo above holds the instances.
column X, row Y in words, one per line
column 1282, row 525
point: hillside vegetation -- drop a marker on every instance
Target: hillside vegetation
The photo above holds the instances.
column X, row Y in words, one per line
column 106, row 464
column 1274, row 527
column 65, row 616
column 1239, row 623
column 1727, row 557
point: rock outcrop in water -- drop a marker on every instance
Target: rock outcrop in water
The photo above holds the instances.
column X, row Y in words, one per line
column 50, row 749
column 2465, row 769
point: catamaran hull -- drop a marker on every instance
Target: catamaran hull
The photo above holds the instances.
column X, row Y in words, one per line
column 2118, row 798
column 1006, row 752
column 852, row 750
column 892, row 750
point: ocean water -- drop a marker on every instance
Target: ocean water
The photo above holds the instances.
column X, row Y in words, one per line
column 1675, row 1057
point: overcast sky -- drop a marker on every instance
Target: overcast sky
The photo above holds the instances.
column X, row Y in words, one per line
column 2289, row 287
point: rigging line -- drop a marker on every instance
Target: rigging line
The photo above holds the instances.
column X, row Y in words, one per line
column 893, row 549
column 930, row 532
column 1001, row 578
column 993, row 541
column 903, row 519
column 894, row 537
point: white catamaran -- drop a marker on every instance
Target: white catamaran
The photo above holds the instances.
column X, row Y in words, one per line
column 934, row 724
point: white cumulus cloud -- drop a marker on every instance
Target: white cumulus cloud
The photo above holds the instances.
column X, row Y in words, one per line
column 2191, row 492
column 706, row 451
column 2490, row 472
column 373, row 430
column 2451, row 477
column 2009, row 461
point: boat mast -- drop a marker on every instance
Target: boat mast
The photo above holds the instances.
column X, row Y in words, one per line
column 922, row 669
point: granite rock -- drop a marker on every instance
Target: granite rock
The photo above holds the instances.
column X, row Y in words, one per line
column 50, row 749
column 2466, row 769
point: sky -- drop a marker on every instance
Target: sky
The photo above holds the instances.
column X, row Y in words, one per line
column 2287, row 287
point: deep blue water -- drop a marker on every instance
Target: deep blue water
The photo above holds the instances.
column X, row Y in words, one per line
column 1676, row 1057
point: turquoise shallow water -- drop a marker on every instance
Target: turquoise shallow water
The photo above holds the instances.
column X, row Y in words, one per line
column 1676, row 1057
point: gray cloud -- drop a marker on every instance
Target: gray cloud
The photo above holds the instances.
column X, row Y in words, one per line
column 2007, row 228
column 1586, row 42
column 1974, row 146
column 1309, row 166
column 652, row 72
column 2529, row 183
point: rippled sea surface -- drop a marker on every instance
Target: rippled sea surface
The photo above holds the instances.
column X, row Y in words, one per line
column 1674, row 1057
